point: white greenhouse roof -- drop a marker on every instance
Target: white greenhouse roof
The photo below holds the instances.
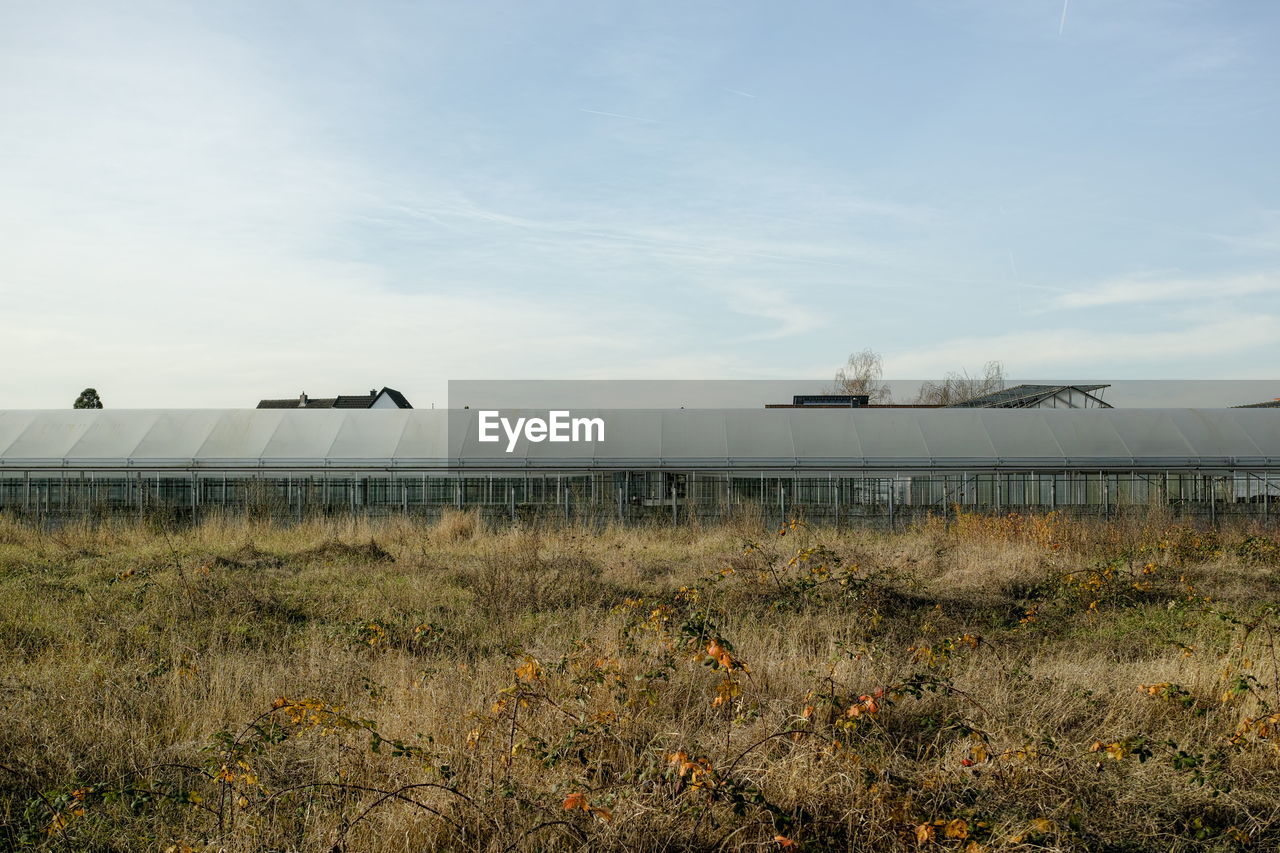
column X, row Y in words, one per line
column 758, row 439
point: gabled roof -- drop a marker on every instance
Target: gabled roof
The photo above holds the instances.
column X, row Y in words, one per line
column 1028, row 396
column 354, row 401
column 293, row 403
column 342, row 401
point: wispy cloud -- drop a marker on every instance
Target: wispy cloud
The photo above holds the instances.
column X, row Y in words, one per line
column 1205, row 347
column 1171, row 289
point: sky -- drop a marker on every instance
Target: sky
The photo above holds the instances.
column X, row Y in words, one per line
column 205, row 204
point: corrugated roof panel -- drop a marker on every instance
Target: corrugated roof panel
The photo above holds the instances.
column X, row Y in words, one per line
column 1086, row 435
column 694, row 434
column 12, row 425
column 1021, row 434
column 302, row 434
column 905, row 438
column 111, row 435
column 958, row 435
column 360, row 437
column 832, row 436
column 548, row 451
column 633, row 439
column 50, row 435
column 1263, row 428
column 177, row 434
column 762, row 437
column 1151, row 434
column 889, row 435
column 425, row 436
column 242, row 434
column 1210, row 436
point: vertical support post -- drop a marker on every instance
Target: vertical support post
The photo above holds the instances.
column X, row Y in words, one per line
column 692, row 496
column 1213, row 503
column 892, row 525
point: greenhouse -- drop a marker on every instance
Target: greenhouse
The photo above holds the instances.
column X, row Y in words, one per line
column 838, row 466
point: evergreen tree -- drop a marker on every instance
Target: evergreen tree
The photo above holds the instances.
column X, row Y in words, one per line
column 88, row 399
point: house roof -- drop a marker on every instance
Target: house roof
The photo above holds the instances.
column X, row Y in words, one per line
column 342, row 401
column 294, row 403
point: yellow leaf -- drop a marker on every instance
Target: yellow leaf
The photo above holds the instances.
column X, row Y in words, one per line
column 925, row 833
column 957, row 828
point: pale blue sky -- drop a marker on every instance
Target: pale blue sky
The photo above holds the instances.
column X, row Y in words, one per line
column 204, row 204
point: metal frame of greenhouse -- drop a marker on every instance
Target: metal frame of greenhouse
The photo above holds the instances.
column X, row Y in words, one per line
column 879, row 467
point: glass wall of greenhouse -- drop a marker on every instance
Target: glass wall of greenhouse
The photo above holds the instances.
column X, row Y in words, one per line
column 876, row 468
column 639, row 496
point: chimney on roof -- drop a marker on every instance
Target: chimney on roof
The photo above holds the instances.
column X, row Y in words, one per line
column 373, row 392
column 302, row 400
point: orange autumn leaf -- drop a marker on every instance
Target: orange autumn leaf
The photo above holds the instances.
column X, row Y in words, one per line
column 721, row 655
column 784, row 842
column 529, row 670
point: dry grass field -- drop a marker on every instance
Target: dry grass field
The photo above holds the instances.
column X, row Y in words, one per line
column 967, row 685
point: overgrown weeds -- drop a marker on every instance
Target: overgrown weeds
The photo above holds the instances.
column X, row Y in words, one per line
column 1006, row 683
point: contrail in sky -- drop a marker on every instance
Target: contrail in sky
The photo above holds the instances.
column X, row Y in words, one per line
column 618, row 115
column 1062, row 23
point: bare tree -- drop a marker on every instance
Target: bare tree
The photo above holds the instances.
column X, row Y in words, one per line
column 862, row 374
column 958, row 387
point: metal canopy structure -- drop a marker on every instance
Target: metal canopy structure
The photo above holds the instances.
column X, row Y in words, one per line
column 678, row 440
